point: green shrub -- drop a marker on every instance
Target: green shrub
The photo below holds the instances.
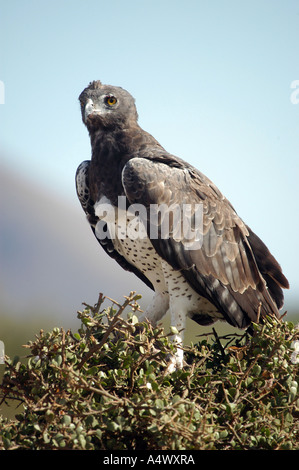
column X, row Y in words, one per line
column 105, row 387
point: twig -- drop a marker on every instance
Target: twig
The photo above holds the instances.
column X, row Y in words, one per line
column 259, row 313
column 110, row 328
column 219, row 343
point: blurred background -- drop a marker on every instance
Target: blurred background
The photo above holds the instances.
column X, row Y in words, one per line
column 215, row 82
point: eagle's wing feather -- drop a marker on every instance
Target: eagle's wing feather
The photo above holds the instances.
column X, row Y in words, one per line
column 82, row 187
column 224, row 269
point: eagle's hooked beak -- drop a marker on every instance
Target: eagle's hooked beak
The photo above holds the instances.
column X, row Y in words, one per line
column 90, row 109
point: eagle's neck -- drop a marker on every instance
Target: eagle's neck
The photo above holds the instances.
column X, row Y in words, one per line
column 114, row 141
column 111, row 149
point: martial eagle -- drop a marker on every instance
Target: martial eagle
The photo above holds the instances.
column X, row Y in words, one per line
column 225, row 273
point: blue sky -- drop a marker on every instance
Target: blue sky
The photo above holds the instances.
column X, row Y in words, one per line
column 212, row 81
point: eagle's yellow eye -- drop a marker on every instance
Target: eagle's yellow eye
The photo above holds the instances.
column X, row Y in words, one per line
column 111, row 100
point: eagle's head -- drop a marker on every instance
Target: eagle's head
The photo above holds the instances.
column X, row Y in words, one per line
column 106, row 107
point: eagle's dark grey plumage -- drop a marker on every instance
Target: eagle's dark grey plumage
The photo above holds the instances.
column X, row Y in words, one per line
column 231, row 277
